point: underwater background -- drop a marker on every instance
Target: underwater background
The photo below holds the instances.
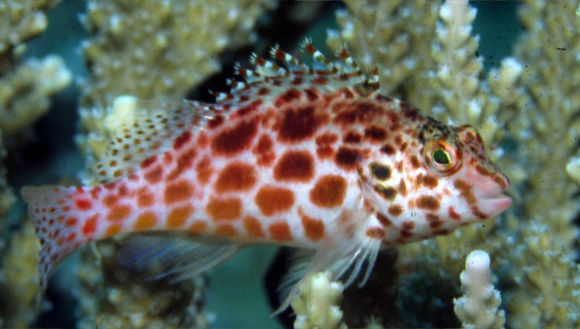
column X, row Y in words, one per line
column 511, row 69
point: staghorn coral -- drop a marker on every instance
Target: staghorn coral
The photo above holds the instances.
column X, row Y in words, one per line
column 317, row 305
column 529, row 107
column 478, row 307
column 547, row 127
column 19, row 279
column 19, row 21
column 128, row 302
column 390, row 35
column 24, row 97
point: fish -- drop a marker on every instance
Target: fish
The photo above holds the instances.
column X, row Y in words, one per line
column 310, row 156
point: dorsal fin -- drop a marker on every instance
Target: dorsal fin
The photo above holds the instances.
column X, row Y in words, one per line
column 282, row 70
column 138, row 130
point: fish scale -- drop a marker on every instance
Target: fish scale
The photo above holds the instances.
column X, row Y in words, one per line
column 293, row 155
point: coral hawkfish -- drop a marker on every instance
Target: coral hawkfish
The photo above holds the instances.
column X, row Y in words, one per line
column 309, row 156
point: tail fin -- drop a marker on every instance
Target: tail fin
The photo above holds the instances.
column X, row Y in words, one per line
column 57, row 224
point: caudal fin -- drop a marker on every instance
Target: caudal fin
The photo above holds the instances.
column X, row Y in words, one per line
column 57, row 224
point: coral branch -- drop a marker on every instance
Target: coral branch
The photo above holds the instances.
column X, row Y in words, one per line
column 478, row 308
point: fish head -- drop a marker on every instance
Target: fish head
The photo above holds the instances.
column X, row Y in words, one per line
column 434, row 179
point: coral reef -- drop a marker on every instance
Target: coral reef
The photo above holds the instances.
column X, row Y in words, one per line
column 19, row 21
column 478, row 307
column 127, row 301
column 426, row 53
column 19, row 279
column 317, row 306
column 25, row 89
column 24, row 97
column 528, row 107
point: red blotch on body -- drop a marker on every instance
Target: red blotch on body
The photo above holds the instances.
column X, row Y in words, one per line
column 178, row 191
column 178, row 216
column 408, row 225
column 154, row 175
column 144, row 198
column 324, row 148
column 215, row 122
column 113, row 229
column 430, row 181
column 119, row 213
column 453, row 214
column 272, row 200
column 253, row 106
column 289, row 96
column 224, row 209
column 253, row 227
column 376, row 233
column 232, row 141
column 184, row 162
column 428, row 202
column 167, row 158
column 95, row 191
column 329, row 191
column 198, row 227
column 375, row 134
column 299, row 124
column 204, row 170
column 347, row 158
column 182, row 139
column 415, row 162
column 110, row 200
column 145, row 221
column 313, row 228
column 395, row 210
column 294, row 166
column 226, row 230
column 71, row 222
column 384, row 220
column 83, row 204
column 235, row 177
column 90, row 225
column 280, row 231
column 149, row 161
column 311, row 94
column 202, row 140
column 264, row 150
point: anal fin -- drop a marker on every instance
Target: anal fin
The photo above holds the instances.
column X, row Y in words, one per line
column 176, row 257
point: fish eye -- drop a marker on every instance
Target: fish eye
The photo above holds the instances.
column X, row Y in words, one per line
column 442, row 157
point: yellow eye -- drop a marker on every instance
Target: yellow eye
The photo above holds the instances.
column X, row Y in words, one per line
column 442, row 157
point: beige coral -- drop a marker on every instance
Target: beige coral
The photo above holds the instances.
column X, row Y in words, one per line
column 19, row 279
column 318, row 303
column 24, row 97
column 478, row 308
column 20, row 20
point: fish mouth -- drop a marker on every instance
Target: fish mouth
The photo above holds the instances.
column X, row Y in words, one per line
column 495, row 204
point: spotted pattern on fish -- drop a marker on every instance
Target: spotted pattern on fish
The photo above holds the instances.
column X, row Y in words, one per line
column 311, row 157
